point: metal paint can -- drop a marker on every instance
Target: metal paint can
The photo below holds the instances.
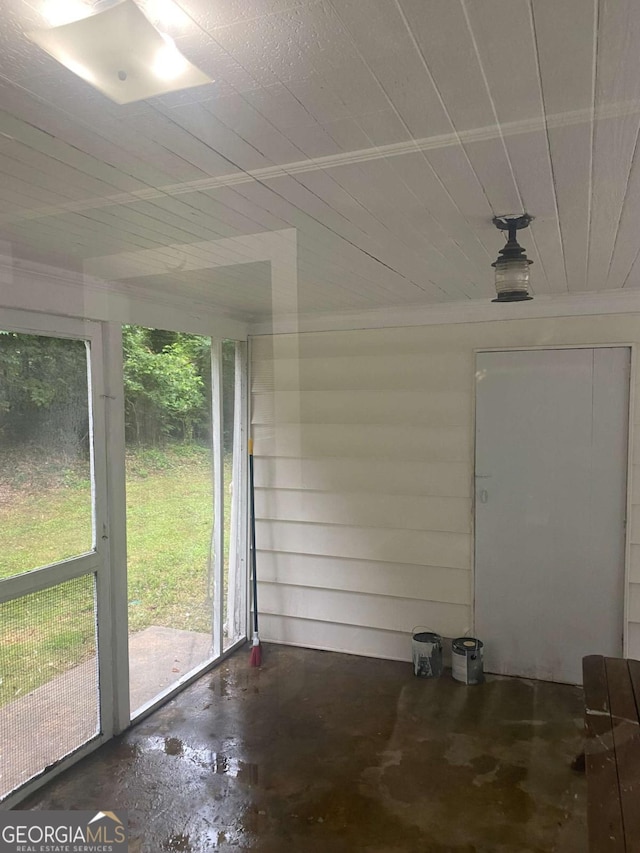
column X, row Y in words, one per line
column 467, row 660
column 426, row 652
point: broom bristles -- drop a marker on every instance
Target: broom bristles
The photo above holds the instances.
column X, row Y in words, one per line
column 255, row 658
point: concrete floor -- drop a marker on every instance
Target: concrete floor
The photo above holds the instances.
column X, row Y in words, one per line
column 64, row 710
column 158, row 657
column 325, row 753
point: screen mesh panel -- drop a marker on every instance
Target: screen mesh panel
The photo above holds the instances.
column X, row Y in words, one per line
column 170, row 509
column 49, row 689
column 45, row 451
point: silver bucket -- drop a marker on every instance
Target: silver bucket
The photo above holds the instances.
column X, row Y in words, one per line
column 426, row 652
column 467, row 660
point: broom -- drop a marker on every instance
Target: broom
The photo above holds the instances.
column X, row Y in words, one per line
column 256, row 651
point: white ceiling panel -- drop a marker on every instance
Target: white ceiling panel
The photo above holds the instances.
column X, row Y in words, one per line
column 387, row 133
column 503, row 41
column 439, row 35
column 627, row 245
column 615, row 139
column 567, row 62
column 219, row 13
column 388, row 50
column 571, row 153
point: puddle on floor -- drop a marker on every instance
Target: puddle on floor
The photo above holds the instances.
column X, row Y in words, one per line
column 177, row 843
column 217, row 762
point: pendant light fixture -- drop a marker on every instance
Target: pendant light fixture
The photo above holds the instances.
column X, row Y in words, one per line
column 512, row 265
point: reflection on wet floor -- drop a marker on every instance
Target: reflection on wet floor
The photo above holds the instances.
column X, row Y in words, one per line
column 326, row 753
column 178, row 842
column 217, row 762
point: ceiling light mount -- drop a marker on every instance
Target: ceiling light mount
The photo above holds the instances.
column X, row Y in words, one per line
column 512, row 265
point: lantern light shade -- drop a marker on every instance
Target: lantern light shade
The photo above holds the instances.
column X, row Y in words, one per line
column 512, row 265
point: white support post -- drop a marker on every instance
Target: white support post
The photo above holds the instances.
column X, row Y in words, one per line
column 237, row 580
column 246, row 497
column 97, row 439
column 117, row 521
column 217, row 555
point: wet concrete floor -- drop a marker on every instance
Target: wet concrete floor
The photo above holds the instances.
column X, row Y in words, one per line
column 318, row 752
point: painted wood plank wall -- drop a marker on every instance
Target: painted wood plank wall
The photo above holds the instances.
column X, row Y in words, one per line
column 364, row 475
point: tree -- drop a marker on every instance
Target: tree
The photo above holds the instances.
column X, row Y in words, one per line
column 167, row 383
column 43, row 391
column 165, row 391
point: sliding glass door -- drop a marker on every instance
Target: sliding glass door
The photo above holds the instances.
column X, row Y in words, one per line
column 55, row 691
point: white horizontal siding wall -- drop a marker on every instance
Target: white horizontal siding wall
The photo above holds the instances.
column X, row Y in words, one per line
column 364, row 478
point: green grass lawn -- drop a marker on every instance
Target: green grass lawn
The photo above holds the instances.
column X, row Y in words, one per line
column 169, row 522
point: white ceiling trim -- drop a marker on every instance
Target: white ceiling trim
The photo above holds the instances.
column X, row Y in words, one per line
column 475, row 311
column 363, row 155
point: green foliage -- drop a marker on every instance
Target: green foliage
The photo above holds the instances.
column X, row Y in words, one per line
column 43, row 391
column 167, row 379
column 165, row 390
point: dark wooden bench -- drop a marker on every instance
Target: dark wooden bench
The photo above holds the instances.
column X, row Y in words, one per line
column 612, row 753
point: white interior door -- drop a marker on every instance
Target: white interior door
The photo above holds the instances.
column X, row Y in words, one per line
column 551, row 462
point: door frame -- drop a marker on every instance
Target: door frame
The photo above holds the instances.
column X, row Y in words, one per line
column 95, row 561
column 632, row 347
